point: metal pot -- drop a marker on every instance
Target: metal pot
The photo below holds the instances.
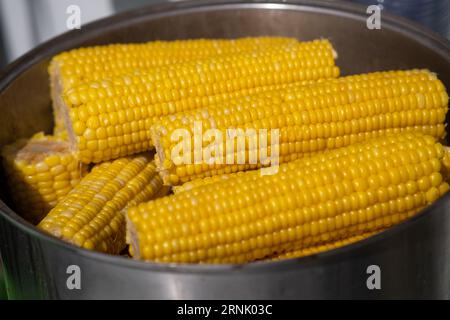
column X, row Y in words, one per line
column 413, row 257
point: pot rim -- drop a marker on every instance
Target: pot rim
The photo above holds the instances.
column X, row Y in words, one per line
column 47, row 49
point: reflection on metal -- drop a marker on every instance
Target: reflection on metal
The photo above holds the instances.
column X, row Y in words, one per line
column 435, row 14
column 42, row 20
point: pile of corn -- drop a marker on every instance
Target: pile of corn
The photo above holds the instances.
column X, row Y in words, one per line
column 355, row 154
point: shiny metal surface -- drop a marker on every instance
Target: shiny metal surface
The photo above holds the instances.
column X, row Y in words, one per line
column 435, row 14
column 414, row 257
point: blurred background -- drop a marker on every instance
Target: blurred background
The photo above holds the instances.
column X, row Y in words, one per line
column 27, row 23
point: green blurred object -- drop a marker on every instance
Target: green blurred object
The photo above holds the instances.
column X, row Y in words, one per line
column 3, row 295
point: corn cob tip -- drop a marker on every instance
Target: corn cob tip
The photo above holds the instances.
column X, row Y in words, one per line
column 92, row 216
column 321, row 247
column 41, row 171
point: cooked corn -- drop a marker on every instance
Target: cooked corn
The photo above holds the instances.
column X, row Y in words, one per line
column 72, row 68
column 328, row 114
column 40, row 172
column 91, row 215
column 112, row 118
column 333, row 195
column 202, row 182
column 323, row 247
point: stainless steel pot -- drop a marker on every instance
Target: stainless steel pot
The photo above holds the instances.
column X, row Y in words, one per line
column 413, row 257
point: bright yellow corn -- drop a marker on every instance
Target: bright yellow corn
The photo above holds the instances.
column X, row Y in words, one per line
column 60, row 133
column 72, row 68
column 113, row 117
column 91, row 215
column 40, row 172
column 82, row 65
column 330, row 196
column 205, row 181
column 251, row 174
column 325, row 115
column 323, row 247
column 290, row 253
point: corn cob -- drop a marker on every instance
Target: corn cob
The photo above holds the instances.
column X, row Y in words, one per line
column 333, row 195
column 205, row 181
column 289, row 254
column 82, row 65
column 188, row 103
column 323, row 247
column 91, row 215
column 70, row 69
column 251, row 174
column 40, row 172
column 112, row 118
column 328, row 114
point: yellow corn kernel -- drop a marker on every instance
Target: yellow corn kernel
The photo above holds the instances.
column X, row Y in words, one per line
column 326, row 246
column 113, row 117
column 92, row 63
column 333, row 195
column 202, row 182
column 40, row 172
column 310, row 118
column 91, row 215
column 72, row 68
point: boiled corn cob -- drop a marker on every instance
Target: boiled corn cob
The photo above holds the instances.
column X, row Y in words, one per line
column 323, row 247
column 91, row 215
column 70, row 69
column 112, row 117
column 310, row 118
column 251, row 174
column 188, row 103
column 289, row 254
column 205, row 181
column 333, row 195
column 40, row 172
column 78, row 66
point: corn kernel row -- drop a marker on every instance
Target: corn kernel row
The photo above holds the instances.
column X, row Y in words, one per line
column 40, row 172
column 342, row 193
column 82, row 65
column 310, row 118
column 327, row 246
column 91, row 215
column 112, row 118
column 72, row 68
